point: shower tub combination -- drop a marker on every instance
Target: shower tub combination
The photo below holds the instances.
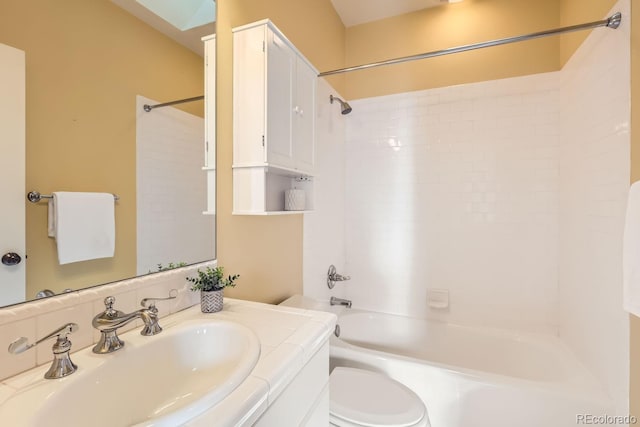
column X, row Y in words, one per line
column 469, row 376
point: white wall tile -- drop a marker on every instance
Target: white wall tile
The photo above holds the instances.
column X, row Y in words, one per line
column 323, row 242
column 457, row 189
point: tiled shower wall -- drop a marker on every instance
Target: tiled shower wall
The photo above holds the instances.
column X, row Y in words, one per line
column 456, row 189
column 594, row 178
column 508, row 194
column 324, row 228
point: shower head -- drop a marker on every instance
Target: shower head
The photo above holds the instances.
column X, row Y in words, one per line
column 345, row 108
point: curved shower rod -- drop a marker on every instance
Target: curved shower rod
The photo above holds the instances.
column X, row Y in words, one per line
column 612, row 22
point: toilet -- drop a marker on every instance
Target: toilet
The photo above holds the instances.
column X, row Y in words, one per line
column 361, row 398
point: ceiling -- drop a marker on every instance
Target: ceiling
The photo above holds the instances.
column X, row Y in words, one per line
column 354, row 12
column 184, row 14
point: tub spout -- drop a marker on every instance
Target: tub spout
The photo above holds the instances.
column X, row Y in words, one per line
column 340, row 301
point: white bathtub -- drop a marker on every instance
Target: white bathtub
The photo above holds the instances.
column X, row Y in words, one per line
column 468, row 376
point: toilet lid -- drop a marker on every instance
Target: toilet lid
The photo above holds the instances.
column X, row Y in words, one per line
column 370, row 399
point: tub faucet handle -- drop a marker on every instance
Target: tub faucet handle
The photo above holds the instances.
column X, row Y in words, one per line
column 333, row 276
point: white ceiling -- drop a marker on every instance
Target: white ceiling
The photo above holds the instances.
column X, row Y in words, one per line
column 354, row 12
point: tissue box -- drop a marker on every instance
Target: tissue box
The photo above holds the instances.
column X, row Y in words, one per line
column 294, row 200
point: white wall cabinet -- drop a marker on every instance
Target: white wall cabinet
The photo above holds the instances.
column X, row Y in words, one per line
column 210, row 121
column 274, row 89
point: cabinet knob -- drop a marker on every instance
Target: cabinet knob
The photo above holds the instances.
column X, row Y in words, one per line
column 296, row 109
column 11, row 258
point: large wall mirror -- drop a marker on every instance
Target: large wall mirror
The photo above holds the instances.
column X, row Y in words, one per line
column 90, row 66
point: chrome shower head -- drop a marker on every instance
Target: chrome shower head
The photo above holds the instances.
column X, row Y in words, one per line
column 345, row 108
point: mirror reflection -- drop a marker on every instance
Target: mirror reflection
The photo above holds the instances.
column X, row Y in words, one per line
column 77, row 74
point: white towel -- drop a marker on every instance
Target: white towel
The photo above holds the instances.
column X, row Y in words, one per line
column 631, row 252
column 83, row 225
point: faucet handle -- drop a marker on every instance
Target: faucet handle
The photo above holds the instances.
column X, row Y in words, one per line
column 150, row 304
column 333, row 277
column 22, row 344
column 108, row 306
column 173, row 293
column 62, row 364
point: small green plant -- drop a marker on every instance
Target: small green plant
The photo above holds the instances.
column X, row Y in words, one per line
column 212, row 279
column 171, row 266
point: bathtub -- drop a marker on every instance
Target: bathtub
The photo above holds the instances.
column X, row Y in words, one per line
column 469, row 376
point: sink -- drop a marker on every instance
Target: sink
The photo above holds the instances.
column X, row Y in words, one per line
column 163, row 380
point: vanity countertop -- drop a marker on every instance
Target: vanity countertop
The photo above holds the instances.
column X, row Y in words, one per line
column 288, row 337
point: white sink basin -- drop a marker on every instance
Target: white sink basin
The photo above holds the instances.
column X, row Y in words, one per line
column 163, row 380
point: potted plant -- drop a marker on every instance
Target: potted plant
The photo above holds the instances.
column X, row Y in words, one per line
column 211, row 282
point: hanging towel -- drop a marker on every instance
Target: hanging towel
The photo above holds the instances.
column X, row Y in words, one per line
column 631, row 252
column 83, row 225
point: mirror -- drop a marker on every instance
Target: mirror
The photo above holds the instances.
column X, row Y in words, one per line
column 89, row 68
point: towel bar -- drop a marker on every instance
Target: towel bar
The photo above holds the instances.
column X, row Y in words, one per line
column 35, row 197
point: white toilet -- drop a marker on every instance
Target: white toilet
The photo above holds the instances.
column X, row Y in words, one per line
column 360, row 398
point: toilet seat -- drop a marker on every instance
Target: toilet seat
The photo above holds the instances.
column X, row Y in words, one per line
column 364, row 398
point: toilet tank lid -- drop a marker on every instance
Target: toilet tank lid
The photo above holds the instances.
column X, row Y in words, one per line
column 370, row 399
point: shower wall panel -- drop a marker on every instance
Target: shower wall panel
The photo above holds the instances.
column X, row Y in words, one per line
column 456, row 189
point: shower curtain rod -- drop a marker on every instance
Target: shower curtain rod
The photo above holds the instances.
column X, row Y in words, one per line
column 612, row 22
column 148, row 107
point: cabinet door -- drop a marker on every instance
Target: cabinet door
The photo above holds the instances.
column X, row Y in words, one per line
column 280, row 80
column 249, row 92
column 304, row 117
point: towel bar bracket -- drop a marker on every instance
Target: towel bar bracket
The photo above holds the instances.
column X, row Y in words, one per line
column 34, row 196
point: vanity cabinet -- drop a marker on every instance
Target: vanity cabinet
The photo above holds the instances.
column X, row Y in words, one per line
column 210, row 121
column 305, row 400
column 274, row 89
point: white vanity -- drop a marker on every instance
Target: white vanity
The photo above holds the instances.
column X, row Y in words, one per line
column 250, row 364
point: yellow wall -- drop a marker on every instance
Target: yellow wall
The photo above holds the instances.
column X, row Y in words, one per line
column 470, row 21
column 634, row 398
column 574, row 12
column 86, row 61
column 266, row 251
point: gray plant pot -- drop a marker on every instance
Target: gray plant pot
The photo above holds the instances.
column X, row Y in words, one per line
column 211, row 302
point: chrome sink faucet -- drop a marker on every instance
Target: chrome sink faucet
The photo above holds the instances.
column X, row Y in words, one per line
column 62, row 364
column 110, row 320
